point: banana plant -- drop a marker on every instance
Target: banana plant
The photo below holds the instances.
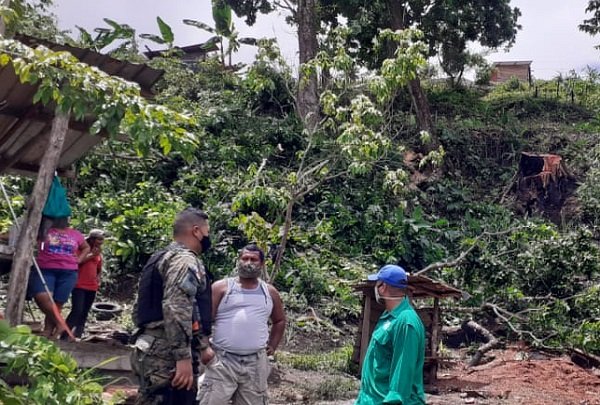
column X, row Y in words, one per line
column 223, row 29
column 107, row 36
column 166, row 34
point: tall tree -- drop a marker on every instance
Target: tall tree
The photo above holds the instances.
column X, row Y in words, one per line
column 592, row 25
column 308, row 46
column 491, row 23
column 305, row 14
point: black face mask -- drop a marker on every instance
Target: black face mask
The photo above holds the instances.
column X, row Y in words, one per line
column 205, row 243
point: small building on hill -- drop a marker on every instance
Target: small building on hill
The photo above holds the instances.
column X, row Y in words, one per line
column 503, row 71
column 428, row 293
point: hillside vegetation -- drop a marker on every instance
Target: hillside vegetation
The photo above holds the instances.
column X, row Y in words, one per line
column 378, row 198
column 544, row 275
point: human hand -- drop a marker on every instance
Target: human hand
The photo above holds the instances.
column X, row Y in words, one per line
column 184, row 376
column 270, row 351
column 207, row 355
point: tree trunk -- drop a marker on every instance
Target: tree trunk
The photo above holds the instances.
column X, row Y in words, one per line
column 419, row 99
column 287, row 226
column 23, row 256
column 3, row 3
column 308, row 98
column 421, row 104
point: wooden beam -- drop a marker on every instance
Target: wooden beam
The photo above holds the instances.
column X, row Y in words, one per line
column 19, row 276
column 8, row 161
column 90, row 355
column 28, row 169
column 36, row 114
column 365, row 336
column 435, row 328
column 12, row 127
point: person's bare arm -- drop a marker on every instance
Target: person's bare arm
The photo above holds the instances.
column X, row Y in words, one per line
column 278, row 321
column 219, row 288
column 84, row 249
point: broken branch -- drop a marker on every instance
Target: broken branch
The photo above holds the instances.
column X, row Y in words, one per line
column 492, row 342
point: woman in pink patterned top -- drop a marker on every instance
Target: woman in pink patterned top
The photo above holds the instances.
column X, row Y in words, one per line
column 59, row 256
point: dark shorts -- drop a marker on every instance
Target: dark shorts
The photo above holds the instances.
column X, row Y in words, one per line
column 60, row 283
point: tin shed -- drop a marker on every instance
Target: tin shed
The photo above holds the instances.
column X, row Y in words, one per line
column 420, row 288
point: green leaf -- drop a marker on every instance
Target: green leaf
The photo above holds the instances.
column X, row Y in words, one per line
column 153, row 38
column 199, row 24
column 223, row 17
column 248, row 41
column 4, row 59
column 84, row 36
column 211, row 42
column 165, row 30
column 113, row 23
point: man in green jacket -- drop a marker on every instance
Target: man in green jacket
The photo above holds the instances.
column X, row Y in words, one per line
column 392, row 370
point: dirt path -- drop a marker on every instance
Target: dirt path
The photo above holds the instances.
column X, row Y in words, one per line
column 518, row 377
column 513, row 377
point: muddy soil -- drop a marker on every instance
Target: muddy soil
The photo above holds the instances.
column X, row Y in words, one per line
column 513, row 377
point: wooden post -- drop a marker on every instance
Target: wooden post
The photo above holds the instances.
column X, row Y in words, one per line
column 22, row 259
column 365, row 330
column 435, row 327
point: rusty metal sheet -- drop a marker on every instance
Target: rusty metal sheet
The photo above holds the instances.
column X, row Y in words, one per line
column 420, row 286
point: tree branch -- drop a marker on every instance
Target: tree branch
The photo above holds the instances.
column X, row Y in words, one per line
column 461, row 257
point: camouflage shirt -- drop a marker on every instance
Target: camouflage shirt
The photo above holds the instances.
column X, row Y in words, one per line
column 183, row 276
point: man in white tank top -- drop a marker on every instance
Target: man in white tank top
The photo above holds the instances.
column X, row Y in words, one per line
column 242, row 308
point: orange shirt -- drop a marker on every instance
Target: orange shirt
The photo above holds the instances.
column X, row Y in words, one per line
column 89, row 273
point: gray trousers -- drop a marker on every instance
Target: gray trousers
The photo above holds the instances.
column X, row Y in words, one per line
column 235, row 379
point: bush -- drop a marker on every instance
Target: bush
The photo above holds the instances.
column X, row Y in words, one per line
column 589, row 191
column 53, row 377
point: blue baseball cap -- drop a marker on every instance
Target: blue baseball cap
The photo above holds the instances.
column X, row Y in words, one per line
column 392, row 275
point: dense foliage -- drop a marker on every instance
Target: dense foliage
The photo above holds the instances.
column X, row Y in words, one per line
column 48, row 376
column 354, row 194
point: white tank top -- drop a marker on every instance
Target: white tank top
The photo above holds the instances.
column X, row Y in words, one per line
column 242, row 320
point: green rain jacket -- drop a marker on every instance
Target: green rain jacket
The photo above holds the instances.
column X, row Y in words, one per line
column 393, row 366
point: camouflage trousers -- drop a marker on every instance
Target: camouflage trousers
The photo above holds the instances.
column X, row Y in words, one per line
column 152, row 363
column 235, row 379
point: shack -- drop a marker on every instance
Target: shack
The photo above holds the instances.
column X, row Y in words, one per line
column 34, row 140
column 503, row 71
column 422, row 289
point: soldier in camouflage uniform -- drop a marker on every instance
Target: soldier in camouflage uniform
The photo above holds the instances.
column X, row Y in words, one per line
column 172, row 281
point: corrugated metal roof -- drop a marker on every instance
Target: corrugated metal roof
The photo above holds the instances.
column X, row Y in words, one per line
column 420, row 286
column 25, row 127
column 196, row 48
column 514, row 63
column 139, row 73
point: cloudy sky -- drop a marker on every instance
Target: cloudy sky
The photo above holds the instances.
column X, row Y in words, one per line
column 549, row 36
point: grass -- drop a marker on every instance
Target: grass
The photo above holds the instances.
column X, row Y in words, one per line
column 337, row 360
column 333, row 388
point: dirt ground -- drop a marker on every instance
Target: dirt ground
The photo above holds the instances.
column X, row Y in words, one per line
column 512, row 377
column 519, row 377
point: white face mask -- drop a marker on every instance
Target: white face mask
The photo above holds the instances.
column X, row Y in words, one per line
column 379, row 298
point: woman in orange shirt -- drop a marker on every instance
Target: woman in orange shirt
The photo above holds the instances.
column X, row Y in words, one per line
column 88, row 282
